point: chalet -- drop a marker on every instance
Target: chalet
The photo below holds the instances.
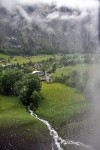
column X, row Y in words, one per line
column 43, row 76
column 39, row 73
column 48, row 77
column 6, row 65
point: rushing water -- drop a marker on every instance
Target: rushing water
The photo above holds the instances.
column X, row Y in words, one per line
column 58, row 141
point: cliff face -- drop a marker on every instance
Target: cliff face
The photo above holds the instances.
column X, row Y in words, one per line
column 46, row 29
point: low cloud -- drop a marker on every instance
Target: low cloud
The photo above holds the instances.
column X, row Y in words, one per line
column 73, row 16
column 72, row 3
column 42, row 16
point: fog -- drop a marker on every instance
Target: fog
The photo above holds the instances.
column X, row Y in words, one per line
column 83, row 4
column 86, row 8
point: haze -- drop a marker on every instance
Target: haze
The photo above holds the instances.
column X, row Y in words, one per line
column 72, row 3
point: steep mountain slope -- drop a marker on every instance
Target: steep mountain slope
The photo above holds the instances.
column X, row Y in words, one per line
column 46, row 29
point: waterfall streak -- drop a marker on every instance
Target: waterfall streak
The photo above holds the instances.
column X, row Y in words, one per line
column 58, row 141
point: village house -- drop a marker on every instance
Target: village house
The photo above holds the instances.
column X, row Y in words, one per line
column 43, row 76
column 39, row 73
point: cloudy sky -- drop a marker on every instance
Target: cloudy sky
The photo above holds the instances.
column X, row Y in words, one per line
column 72, row 3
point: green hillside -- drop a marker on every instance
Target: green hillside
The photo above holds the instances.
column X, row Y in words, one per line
column 18, row 129
column 62, row 106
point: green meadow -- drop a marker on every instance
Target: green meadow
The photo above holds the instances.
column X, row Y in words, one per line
column 60, row 103
column 12, row 114
column 18, row 127
column 81, row 68
column 25, row 59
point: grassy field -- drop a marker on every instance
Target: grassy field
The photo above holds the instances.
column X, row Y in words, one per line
column 81, row 68
column 60, row 102
column 62, row 106
column 18, row 128
column 13, row 113
column 25, row 59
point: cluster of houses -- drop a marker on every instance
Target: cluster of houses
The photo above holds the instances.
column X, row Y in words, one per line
column 44, row 76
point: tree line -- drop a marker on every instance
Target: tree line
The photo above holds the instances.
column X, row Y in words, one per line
column 26, row 86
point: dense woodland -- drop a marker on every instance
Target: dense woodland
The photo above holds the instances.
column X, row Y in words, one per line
column 26, row 86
